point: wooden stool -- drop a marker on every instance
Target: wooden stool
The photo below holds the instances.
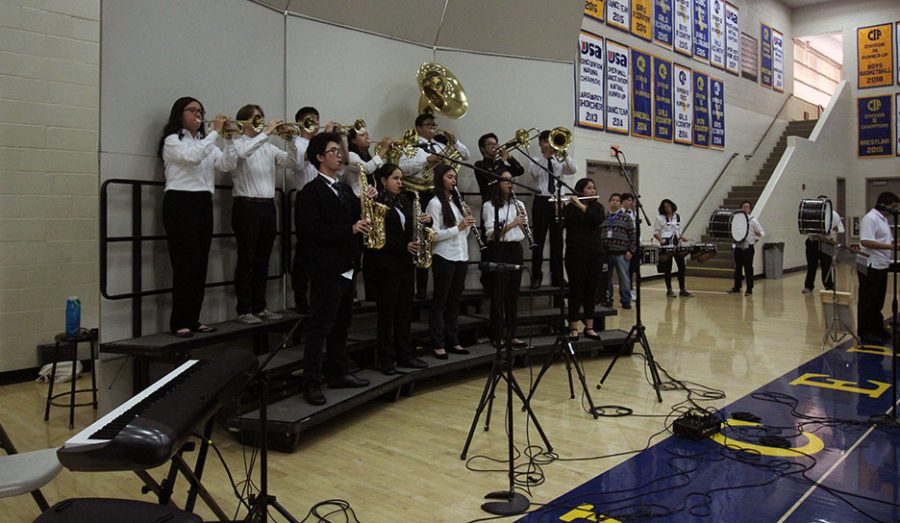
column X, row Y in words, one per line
column 85, row 336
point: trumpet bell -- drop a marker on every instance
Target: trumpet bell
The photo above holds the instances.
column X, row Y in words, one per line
column 442, row 90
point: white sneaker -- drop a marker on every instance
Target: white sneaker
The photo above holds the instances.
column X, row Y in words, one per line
column 249, row 319
column 633, row 295
column 266, row 314
column 807, row 290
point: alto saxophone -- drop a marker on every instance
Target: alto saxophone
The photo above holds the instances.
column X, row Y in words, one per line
column 468, row 212
column 373, row 212
column 520, row 208
column 422, row 235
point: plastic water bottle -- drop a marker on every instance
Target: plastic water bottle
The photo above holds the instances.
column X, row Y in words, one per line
column 73, row 316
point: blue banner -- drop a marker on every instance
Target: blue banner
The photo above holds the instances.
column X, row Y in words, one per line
column 875, row 126
column 662, row 94
column 701, row 30
column 641, row 99
column 662, row 23
column 701, row 110
column 765, row 60
column 717, row 113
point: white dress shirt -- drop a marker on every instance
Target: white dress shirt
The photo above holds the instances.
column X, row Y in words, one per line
column 666, row 228
column 191, row 163
column 508, row 214
column 875, row 227
column 419, row 162
column 449, row 242
column 350, row 174
column 254, row 175
column 562, row 170
column 305, row 171
column 755, row 228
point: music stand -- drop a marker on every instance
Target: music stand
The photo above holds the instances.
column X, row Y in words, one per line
column 837, row 328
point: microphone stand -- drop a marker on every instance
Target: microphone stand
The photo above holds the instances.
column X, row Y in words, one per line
column 638, row 331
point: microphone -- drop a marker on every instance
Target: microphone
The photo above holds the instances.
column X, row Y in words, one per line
column 425, row 145
column 615, row 150
column 487, row 266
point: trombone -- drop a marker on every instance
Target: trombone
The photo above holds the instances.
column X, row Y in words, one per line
column 560, row 140
column 522, row 139
column 359, row 126
column 309, row 125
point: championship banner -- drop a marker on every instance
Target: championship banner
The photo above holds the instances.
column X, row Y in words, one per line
column 641, row 98
column 684, row 27
column 701, row 30
column 701, row 110
column 717, row 33
column 765, row 55
column 732, row 39
column 642, row 19
column 618, row 14
column 717, row 113
column 897, row 124
column 684, row 111
column 875, row 127
column 662, row 100
column 589, row 86
column 662, row 23
column 594, row 9
column 875, row 55
column 777, row 61
column 897, row 36
column 618, row 88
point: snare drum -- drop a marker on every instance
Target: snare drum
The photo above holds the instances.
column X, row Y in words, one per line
column 666, row 252
column 703, row 252
column 729, row 224
column 814, row 216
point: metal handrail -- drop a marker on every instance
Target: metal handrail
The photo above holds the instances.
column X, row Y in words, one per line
column 709, row 190
column 769, row 128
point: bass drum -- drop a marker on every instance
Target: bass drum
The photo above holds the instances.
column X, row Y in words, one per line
column 814, row 216
column 729, row 224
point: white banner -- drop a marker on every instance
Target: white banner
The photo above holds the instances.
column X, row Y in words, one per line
column 684, row 105
column 589, row 92
column 732, row 39
column 683, row 23
column 618, row 14
column 618, row 88
column 778, row 61
column 717, row 33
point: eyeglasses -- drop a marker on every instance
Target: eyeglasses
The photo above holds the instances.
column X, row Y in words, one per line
column 335, row 151
column 505, row 180
column 194, row 110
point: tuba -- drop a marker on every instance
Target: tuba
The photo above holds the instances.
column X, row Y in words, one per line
column 422, row 235
column 440, row 89
column 403, row 147
column 373, row 212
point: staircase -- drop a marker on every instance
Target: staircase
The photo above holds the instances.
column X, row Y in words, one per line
column 722, row 266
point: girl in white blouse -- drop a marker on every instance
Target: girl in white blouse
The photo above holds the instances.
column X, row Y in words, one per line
column 358, row 147
column 191, row 158
column 667, row 230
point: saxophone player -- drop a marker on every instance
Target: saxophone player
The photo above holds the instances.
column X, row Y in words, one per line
column 392, row 271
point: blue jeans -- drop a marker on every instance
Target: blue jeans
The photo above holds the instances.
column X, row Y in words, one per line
column 622, row 268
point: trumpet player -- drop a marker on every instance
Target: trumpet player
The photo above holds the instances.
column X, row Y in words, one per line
column 392, row 272
column 505, row 221
column 253, row 217
column 543, row 210
column 494, row 162
column 582, row 218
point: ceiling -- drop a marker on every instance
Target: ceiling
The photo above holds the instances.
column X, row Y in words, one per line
column 793, row 4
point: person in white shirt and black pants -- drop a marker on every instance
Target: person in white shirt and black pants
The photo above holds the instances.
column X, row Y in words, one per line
column 450, row 262
column 253, row 216
column 191, row 158
column 667, row 230
column 815, row 258
column 743, row 252
column 543, row 211
column 877, row 241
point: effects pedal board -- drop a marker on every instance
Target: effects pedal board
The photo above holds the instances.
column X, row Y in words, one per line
column 695, row 425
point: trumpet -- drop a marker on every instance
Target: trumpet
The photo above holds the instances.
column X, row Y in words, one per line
column 522, row 139
column 560, row 140
column 309, row 125
column 257, row 123
column 287, row 130
column 359, row 126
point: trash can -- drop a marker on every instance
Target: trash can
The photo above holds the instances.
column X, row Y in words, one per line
column 773, row 256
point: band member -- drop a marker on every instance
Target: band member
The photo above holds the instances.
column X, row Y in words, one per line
column 504, row 223
column 491, row 162
column 877, row 241
column 816, row 258
column 190, row 157
column 358, row 146
column 253, row 216
column 667, row 230
column 304, row 172
column 618, row 236
column 583, row 248
column 449, row 262
column 331, row 228
column 614, row 204
column 393, row 274
column 635, row 264
column 544, row 213
column 743, row 253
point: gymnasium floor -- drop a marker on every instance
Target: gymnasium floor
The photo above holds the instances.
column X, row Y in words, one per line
column 399, row 462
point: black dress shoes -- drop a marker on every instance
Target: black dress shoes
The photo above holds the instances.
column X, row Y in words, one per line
column 388, row 370
column 457, row 350
column 535, row 284
column 413, row 363
column 312, row 393
column 347, row 381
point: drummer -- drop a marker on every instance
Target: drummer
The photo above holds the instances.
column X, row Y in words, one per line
column 667, row 230
column 743, row 252
column 815, row 257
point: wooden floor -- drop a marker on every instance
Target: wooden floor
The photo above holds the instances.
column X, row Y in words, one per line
column 399, row 462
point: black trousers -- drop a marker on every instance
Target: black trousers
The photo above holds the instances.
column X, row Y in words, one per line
column 331, row 308
column 504, row 252
column 814, row 259
column 743, row 262
column 666, row 268
column 584, row 274
column 872, row 293
column 544, row 220
column 394, row 295
column 449, row 281
column 255, row 227
column 299, row 268
column 188, row 220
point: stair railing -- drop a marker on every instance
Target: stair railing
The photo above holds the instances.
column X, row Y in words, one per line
column 769, row 128
column 709, row 190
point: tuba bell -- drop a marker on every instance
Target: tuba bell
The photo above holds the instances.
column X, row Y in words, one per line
column 440, row 89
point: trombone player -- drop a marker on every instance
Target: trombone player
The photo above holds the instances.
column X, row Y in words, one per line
column 494, row 159
column 556, row 159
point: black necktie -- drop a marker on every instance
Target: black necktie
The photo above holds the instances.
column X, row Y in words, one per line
column 551, row 182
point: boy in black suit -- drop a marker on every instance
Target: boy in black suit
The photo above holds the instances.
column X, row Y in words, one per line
column 331, row 228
